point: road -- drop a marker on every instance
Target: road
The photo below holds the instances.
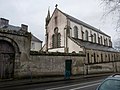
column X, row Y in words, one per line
column 81, row 84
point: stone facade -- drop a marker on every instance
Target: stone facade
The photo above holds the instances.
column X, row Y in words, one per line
column 53, row 64
column 61, row 27
column 102, row 61
column 20, row 42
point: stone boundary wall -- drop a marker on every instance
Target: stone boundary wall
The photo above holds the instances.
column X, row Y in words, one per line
column 52, row 64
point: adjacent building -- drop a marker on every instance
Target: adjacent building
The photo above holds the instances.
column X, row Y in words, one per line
column 36, row 44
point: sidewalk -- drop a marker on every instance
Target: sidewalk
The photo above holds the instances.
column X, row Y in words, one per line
column 11, row 83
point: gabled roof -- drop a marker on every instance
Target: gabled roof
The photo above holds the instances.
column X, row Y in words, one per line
column 90, row 45
column 82, row 23
column 35, row 39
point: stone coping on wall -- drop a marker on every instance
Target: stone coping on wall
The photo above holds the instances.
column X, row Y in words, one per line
column 14, row 32
column 56, row 54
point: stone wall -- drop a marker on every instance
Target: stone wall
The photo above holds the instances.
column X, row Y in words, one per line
column 51, row 65
column 21, row 42
column 102, row 61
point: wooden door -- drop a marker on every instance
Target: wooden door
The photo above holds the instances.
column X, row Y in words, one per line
column 7, row 56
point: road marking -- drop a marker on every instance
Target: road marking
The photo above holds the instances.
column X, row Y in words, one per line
column 73, row 85
column 85, row 86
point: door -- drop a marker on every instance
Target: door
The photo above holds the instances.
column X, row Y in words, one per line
column 7, row 56
column 68, row 69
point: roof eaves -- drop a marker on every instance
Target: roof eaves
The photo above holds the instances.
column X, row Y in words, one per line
column 83, row 23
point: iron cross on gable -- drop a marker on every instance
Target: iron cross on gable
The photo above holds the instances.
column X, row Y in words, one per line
column 56, row 5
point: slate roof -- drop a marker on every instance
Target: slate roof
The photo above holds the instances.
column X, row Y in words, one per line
column 35, row 39
column 83, row 23
column 16, row 28
column 90, row 45
column 11, row 27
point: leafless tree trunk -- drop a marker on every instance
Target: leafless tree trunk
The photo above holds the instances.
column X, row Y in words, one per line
column 112, row 7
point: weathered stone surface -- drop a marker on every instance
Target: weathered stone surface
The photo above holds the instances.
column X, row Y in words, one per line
column 45, row 65
column 21, row 43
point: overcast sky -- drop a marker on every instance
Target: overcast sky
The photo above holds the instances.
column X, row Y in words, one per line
column 33, row 13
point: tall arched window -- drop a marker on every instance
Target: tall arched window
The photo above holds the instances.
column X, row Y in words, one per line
column 101, row 57
column 56, row 39
column 94, row 57
column 75, row 31
column 106, row 42
column 101, row 39
column 53, row 41
column 59, row 39
column 86, row 35
column 91, row 38
column 94, row 38
column 98, row 40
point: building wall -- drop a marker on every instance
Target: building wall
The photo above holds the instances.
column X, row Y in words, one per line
column 73, row 47
column 47, row 65
column 54, row 65
column 90, row 31
column 61, row 23
column 105, row 63
column 36, row 46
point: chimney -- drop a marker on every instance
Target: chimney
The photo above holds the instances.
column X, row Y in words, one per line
column 3, row 21
column 24, row 27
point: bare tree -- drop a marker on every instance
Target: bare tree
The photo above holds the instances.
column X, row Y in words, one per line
column 112, row 7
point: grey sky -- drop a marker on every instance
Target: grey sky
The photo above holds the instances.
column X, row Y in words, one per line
column 33, row 13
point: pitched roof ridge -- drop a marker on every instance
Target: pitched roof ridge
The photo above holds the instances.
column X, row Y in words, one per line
column 82, row 22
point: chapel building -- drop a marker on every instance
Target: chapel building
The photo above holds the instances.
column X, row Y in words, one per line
column 66, row 34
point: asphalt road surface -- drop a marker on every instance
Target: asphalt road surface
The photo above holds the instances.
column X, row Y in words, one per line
column 80, row 84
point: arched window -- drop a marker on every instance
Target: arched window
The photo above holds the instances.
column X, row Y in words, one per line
column 53, row 41
column 98, row 40
column 82, row 35
column 91, row 38
column 109, row 57
column 94, row 57
column 86, row 35
column 94, row 38
column 110, row 43
column 88, row 58
column 56, row 39
column 59, row 40
column 106, row 42
column 101, row 39
column 75, row 31
column 101, row 57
